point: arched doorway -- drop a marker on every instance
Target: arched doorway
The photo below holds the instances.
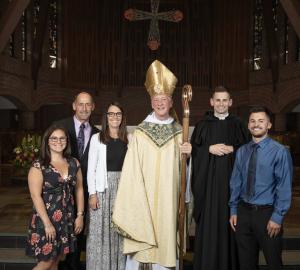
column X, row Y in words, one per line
column 9, row 114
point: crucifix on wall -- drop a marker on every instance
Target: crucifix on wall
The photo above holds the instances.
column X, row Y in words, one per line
column 154, row 16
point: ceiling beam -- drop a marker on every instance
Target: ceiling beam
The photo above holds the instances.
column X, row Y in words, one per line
column 10, row 20
column 292, row 10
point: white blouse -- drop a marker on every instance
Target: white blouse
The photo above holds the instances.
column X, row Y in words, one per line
column 97, row 173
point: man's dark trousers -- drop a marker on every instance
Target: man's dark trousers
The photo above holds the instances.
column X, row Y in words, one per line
column 252, row 235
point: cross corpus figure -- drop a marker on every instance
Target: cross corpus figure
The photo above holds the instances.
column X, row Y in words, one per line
column 155, row 16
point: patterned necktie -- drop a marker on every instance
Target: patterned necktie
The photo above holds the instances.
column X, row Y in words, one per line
column 80, row 140
column 252, row 171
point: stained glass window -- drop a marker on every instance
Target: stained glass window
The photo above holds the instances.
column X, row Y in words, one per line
column 286, row 40
column 36, row 11
column 12, row 46
column 282, row 28
column 21, row 34
column 275, row 14
column 53, row 34
column 257, row 35
column 24, row 36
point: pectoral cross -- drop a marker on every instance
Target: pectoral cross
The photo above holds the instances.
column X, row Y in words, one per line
column 155, row 16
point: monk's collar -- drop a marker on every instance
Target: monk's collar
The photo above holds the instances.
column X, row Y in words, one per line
column 221, row 116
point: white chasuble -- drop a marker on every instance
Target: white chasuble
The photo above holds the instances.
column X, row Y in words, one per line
column 146, row 206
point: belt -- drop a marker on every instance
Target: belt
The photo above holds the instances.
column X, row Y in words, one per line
column 255, row 206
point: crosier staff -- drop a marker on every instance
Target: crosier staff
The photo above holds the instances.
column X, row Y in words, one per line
column 186, row 98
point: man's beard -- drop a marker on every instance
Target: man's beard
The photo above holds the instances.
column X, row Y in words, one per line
column 260, row 135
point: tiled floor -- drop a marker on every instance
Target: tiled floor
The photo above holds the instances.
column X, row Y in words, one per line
column 16, row 205
column 15, row 209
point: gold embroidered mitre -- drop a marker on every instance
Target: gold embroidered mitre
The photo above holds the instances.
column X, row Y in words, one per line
column 160, row 80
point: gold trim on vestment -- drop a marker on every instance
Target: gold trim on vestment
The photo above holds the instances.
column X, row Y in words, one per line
column 160, row 134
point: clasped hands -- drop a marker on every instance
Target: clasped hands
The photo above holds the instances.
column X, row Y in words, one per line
column 220, row 149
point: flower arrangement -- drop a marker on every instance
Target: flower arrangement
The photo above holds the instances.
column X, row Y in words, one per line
column 27, row 152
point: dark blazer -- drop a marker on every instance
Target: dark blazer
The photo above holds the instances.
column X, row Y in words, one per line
column 69, row 125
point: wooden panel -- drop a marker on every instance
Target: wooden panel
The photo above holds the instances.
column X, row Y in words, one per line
column 200, row 43
column 171, row 52
column 80, row 51
column 230, row 43
column 104, row 51
column 109, row 44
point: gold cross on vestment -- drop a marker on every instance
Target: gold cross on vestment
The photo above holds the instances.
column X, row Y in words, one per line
column 155, row 16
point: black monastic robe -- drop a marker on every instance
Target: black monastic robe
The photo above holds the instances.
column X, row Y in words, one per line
column 214, row 240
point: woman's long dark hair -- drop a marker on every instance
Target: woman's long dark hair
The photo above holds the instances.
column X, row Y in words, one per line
column 45, row 155
column 122, row 134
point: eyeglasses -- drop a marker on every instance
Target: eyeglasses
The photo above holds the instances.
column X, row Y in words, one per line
column 56, row 139
column 112, row 114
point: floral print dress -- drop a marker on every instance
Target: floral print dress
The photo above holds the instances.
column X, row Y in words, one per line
column 57, row 194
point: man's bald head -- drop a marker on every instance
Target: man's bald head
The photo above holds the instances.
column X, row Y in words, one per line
column 83, row 106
